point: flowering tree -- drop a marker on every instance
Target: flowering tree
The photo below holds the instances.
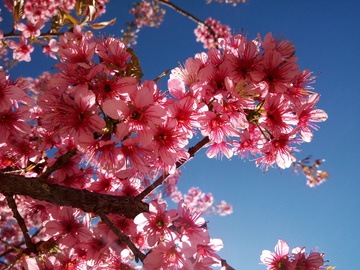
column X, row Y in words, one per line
column 90, row 151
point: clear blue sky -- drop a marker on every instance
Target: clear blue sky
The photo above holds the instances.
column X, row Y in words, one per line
column 276, row 204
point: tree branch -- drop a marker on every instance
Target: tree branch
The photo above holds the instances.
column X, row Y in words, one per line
column 187, row 14
column 60, row 162
column 192, row 151
column 12, row 204
column 226, row 265
column 124, row 238
column 15, row 248
column 42, row 35
column 85, row 200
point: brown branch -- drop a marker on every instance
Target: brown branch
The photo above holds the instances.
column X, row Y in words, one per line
column 60, row 162
column 192, row 151
column 189, row 15
column 226, row 265
column 85, row 200
column 124, row 238
column 19, row 245
column 42, row 35
column 12, row 204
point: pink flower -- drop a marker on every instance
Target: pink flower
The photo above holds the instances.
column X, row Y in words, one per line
column 113, row 52
column 204, row 35
column 216, row 126
column 278, row 115
column 191, row 226
column 106, row 182
column 313, row 261
column 218, row 150
column 51, row 48
column 30, row 263
column 147, row 14
column 278, row 260
column 278, row 151
column 181, row 77
column 67, row 225
column 276, row 72
column 168, row 255
column 101, row 153
column 167, row 141
column 142, row 110
column 96, row 247
column 223, row 208
column 284, row 47
column 12, row 122
column 186, row 114
column 76, row 116
column 243, row 60
column 206, row 256
column 10, row 93
column 155, row 223
column 108, row 87
column 307, row 115
column 22, row 50
column 76, row 48
column 127, row 226
column 249, row 139
column 69, row 259
column 32, row 29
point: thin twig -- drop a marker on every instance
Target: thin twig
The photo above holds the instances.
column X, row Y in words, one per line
column 226, row 265
column 60, row 162
column 17, row 246
column 187, row 14
column 124, row 238
column 12, row 204
column 192, row 151
column 43, row 35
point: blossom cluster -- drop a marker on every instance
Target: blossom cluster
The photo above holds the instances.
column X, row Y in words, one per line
column 251, row 99
column 246, row 97
column 180, row 237
column 124, row 137
column 211, row 32
column 313, row 174
column 195, row 198
column 298, row 260
column 147, row 13
column 32, row 17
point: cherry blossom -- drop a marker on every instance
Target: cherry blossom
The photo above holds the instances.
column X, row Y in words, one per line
column 66, row 225
column 95, row 128
column 278, row 260
column 156, row 223
column 22, row 50
column 209, row 39
column 313, row 261
column 167, row 255
column 298, row 260
column 31, row 29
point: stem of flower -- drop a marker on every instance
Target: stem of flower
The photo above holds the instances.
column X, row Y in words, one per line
column 42, row 35
column 60, row 162
column 225, row 265
column 187, row 14
column 192, row 151
column 124, row 238
column 12, row 204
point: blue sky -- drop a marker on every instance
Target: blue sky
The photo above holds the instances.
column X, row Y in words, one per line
column 276, row 204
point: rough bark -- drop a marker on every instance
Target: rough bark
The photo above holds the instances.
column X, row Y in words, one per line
column 87, row 201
